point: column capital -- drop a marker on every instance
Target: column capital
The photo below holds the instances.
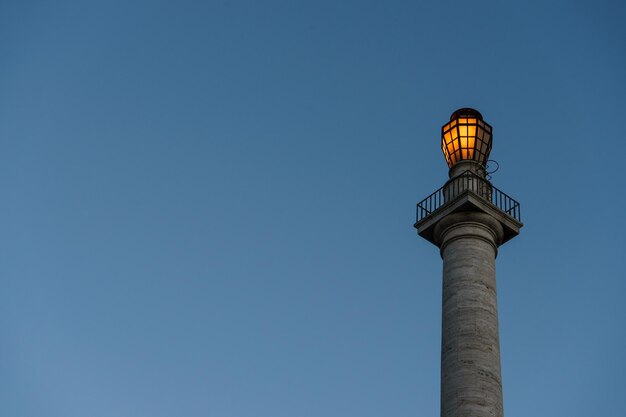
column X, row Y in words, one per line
column 468, row 224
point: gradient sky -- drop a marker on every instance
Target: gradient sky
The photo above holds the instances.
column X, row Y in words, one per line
column 207, row 207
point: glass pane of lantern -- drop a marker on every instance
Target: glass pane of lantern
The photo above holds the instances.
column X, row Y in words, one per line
column 471, row 142
column 483, row 147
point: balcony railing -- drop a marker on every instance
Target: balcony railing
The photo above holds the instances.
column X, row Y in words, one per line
column 467, row 182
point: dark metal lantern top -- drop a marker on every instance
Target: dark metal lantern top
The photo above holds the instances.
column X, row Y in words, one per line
column 466, row 112
column 466, row 137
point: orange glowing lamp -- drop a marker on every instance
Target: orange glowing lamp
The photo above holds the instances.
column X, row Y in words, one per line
column 466, row 137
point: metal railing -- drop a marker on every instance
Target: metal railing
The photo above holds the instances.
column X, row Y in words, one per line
column 463, row 183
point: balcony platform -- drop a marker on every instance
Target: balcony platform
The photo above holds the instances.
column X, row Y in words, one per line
column 468, row 193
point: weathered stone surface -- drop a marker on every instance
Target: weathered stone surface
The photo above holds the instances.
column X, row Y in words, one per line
column 471, row 384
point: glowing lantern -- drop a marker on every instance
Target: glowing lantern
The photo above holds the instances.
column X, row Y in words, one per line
column 466, row 137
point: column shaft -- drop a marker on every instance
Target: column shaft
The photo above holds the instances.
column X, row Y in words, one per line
column 471, row 383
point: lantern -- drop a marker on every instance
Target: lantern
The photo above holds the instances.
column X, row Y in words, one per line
column 466, row 137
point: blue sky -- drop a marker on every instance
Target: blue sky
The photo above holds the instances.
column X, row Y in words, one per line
column 207, row 207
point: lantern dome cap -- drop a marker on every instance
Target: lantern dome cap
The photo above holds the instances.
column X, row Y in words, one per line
column 466, row 112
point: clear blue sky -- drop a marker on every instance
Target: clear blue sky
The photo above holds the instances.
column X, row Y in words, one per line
column 207, row 207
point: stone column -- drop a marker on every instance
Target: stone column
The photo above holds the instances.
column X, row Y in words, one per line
column 471, row 384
